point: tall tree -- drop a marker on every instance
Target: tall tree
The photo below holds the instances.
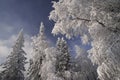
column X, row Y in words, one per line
column 56, row 65
column 14, row 66
column 48, row 67
column 97, row 21
column 63, row 58
column 40, row 43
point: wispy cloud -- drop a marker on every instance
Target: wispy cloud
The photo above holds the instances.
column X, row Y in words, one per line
column 6, row 47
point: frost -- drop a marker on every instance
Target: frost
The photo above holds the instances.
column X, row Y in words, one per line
column 13, row 68
column 97, row 22
column 39, row 44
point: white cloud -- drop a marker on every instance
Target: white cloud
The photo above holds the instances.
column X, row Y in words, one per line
column 6, row 27
column 6, row 47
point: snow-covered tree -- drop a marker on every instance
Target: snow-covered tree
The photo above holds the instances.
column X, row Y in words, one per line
column 40, row 43
column 83, row 68
column 96, row 21
column 105, row 53
column 73, row 17
column 56, row 64
column 70, row 17
column 63, row 58
column 48, row 67
column 14, row 66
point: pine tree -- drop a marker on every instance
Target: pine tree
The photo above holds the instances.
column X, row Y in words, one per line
column 14, row 66
column 48, row 67
column 56, row 64
column 40, row 43
column 63, row 58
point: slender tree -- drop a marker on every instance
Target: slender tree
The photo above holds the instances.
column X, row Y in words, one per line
column 14, row 66
column 56, row 65
column 63, row 58
column 48, row 67
column 40, row 43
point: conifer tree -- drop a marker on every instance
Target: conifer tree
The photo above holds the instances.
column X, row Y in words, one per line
column 56, row 65
column 48, row 67
column 39, row 43
column 63, row 58
column 14, row 66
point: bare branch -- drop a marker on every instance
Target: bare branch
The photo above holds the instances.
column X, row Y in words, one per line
column 103, row 25
column 83, row 19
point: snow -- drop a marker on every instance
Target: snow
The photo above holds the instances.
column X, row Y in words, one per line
column 96, row 22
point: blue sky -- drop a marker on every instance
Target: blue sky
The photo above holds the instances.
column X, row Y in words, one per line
column 26, row 14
